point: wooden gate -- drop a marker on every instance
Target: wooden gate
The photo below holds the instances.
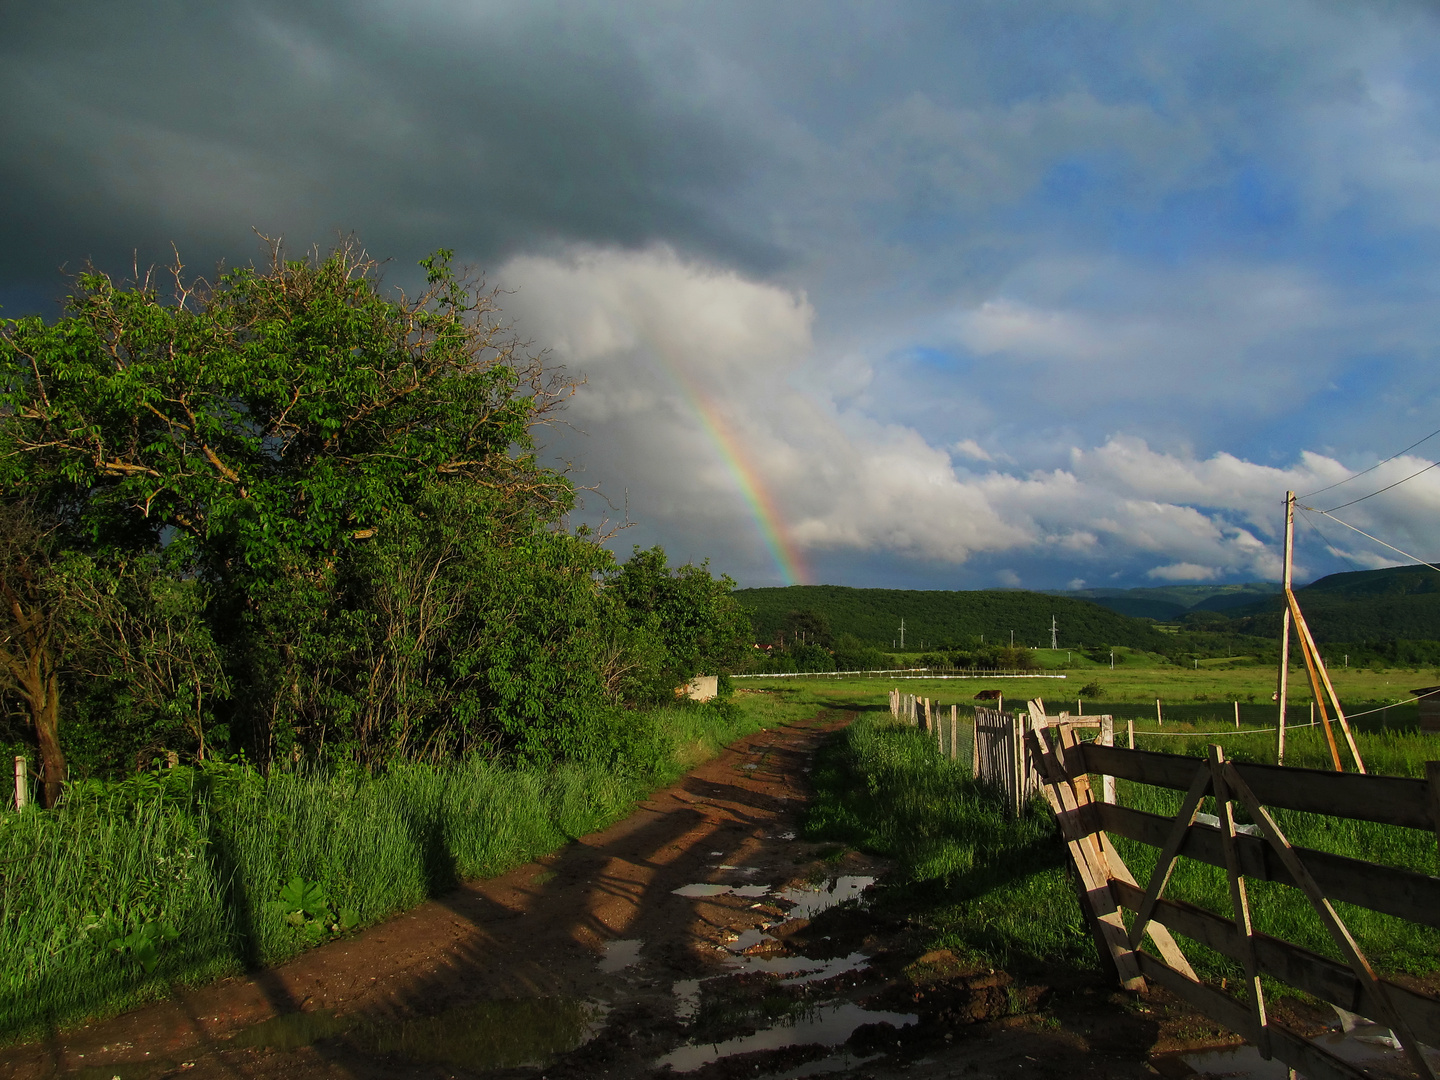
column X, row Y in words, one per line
column 1258, row 852
column 999, row 758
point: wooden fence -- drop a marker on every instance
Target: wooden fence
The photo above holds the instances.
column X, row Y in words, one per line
column 1255, row 852
column 930, row 717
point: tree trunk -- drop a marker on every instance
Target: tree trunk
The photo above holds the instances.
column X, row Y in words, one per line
column 47, row 733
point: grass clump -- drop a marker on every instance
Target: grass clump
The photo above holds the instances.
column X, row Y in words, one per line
column 190, row 874
column 984, row 884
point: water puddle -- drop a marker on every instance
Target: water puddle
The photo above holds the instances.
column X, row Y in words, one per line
column 620, row 955
column 497, row 1034
column 687, row 998
column 1364, row 1045
column 294, row 1030
column 809, row 901
column 797, row 970
column 827, row 1025
column 700, row 890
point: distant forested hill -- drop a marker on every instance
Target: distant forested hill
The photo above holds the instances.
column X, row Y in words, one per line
column 1170, row 603
column 942, row 619
column 1401, row 603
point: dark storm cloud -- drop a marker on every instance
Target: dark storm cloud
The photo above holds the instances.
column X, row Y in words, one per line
column 486, row 131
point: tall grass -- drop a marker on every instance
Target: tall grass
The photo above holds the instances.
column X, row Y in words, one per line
column 131, row 887
column 984, row 884
column 997, row 888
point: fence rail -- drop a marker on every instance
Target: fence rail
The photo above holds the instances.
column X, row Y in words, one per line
column 903, row 673
column 1259, row 851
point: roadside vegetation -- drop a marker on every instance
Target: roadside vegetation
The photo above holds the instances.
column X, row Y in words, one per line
column 996, row 890
column 296, row 629
column 188, row 874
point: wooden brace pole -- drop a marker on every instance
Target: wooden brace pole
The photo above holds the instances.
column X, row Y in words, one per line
column 1332, row 922
column 1239, row 899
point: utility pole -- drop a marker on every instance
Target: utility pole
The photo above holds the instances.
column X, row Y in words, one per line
column 1054, row 634
column 1283, row 689
column 1320, row 683
column 902, row 635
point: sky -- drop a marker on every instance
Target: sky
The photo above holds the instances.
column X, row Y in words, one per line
column 925, row 295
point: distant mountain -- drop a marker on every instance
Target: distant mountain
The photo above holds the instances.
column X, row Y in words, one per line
column 940, row 618
column 1170, row 603
column 1399, row 603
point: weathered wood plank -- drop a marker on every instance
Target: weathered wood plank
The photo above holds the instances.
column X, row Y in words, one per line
column 1300, row 968
column 1225, row 775
column 1391, row 800
column 1301, row 1054
column 1402, row 893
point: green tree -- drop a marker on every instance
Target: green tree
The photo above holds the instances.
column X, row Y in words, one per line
column 349, row 476
column 34, row 630
column 694, row 617
column 807, row 627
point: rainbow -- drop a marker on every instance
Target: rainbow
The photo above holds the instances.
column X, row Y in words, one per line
column 768, row 517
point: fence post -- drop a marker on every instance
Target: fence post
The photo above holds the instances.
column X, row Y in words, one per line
column 954, row 744
column 1159, row 719
column 1017, row 751
column 929, row 719
column 1107, row 738
column 1130, row 731
column 975, row 749
column 22, row 785
column 1237, row 716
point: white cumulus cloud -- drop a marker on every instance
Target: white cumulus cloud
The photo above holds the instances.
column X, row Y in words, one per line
column 700, row 404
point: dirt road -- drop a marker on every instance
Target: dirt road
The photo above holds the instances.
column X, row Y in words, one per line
column 696, row 937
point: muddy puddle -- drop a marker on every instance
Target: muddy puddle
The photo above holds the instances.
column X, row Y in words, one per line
column 620, row 955
column 485, row 1035
column 1359, row 1041
column 826, row 1024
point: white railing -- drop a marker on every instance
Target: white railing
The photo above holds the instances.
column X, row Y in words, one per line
column 902, row 673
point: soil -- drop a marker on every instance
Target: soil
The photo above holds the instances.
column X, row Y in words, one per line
column 587, row 963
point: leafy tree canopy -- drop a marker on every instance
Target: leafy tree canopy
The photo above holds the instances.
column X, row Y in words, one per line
column 302, row 516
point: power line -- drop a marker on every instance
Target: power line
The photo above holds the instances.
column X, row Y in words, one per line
column 1372, row 468
column 1397, row 483
column 1330, row 547
column 1382, row 543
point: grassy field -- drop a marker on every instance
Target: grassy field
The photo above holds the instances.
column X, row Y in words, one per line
column 1191, row 699
column 996, row 889
column 185, row 876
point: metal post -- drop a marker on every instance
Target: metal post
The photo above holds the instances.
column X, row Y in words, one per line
column 22, row 786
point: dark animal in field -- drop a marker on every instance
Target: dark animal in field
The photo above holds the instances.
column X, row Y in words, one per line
column 988, row 695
